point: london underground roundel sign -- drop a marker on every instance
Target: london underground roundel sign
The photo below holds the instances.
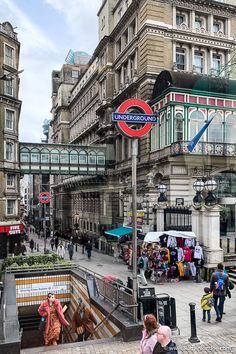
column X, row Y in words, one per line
column 122, row 118
column 44, row 197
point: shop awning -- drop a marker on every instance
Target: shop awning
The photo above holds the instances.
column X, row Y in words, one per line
column 155, row 236
column 120, row 231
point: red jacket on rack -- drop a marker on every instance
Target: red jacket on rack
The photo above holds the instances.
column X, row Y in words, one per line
column 187, row 254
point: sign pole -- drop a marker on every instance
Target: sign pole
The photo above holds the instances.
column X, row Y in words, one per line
column 44, row 227
column 134, row 212
column 122, row 117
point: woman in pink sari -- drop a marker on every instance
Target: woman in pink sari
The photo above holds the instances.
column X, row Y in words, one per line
column 52, row 311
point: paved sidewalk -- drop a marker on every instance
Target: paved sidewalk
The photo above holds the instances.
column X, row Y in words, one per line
column 213, row 335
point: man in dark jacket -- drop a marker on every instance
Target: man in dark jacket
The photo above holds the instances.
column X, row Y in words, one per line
column 218, row 284
column 164, row 343
column 89, row 249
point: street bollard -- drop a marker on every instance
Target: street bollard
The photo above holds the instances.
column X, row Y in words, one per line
column 193, row 338
column 37, row 247
column 76, row 247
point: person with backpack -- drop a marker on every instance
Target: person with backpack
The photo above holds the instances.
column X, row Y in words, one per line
column 218, row 285
column 207, row 302
column 142, row 265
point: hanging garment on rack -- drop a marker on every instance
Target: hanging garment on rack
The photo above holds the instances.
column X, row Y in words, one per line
column 189, row 242
column 187, row 270
column 173, row 255
column 181, row 268
column 187, row 254
column 180, row 254
column 193, row 269
column 198, row 254
column 171, row 242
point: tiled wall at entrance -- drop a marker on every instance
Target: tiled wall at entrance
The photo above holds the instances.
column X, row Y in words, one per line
column 33, row 290
column 106, row 330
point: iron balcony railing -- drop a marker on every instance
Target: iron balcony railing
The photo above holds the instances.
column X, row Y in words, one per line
column 204, row 148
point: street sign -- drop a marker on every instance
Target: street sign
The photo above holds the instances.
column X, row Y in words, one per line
column 134, row 118
column 45, row 197
column 148, row 118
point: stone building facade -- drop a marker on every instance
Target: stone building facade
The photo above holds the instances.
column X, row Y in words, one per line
column 137, row 41
column 10, row 107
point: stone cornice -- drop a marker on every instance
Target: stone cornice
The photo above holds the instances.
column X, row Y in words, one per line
column 206, row 6
column 192, row 37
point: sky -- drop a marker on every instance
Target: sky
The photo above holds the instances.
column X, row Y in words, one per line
column 47, row 29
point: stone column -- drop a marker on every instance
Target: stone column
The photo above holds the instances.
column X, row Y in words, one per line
column 191, row 23
column 160, row 218
column 210, row 23
column 210, row 235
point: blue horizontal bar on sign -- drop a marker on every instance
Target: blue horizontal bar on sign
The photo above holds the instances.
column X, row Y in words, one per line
column 134, row 118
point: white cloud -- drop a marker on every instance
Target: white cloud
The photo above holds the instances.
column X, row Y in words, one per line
column 80, row 20
column 38, row 57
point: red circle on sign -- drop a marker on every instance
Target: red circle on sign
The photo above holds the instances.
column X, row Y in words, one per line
column 44, row 197
column 134, row 102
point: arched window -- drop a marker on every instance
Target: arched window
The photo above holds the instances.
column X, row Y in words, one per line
column 230, row 129
column 215, row 129
column 24, row 155
column 44, row 156
column 64, row 156
column 83, row 157
column 55, row 156
column 74, row 157
column 100, row 158
column 162, row 130
column 197, row 120
column 179, row 127
column 35, row 155
column 92, row 158
column 154, row 137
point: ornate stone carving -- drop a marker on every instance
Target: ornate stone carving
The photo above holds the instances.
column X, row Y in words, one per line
column 197, row 6
column 196, row 172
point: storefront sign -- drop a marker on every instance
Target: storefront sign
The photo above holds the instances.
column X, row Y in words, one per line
column 12, row 229
column 140, row 217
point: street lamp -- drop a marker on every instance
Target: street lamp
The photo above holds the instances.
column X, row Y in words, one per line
column 198, row 186
column 209, row 185
column 161, row 188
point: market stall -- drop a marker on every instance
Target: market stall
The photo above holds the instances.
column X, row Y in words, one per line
column 172, row 255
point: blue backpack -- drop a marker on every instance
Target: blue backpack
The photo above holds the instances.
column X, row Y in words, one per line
column 220, row 285
column 141, row 263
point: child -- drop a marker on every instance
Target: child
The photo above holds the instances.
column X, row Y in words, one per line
column 207, row 302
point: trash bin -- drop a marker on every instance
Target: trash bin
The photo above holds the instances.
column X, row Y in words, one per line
column 166, row 310
column 147, row 302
